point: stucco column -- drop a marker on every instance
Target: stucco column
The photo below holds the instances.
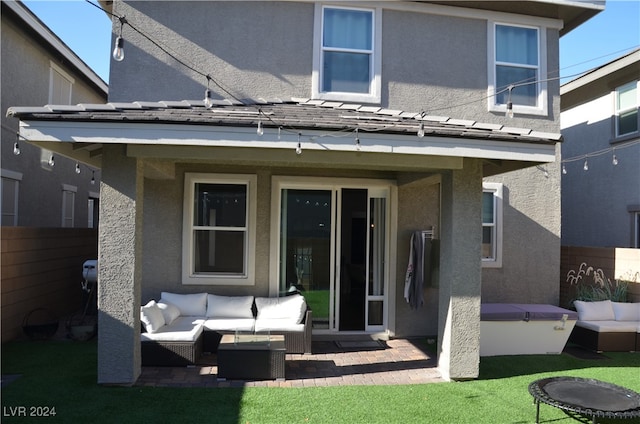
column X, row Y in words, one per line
column 460, row 273
column 120, row 267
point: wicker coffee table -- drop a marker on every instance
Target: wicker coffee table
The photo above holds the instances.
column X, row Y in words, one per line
column 251, row 357
column 593, row 398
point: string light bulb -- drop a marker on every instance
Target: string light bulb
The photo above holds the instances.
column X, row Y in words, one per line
column 357, row 140
column 16, row 148
column 118, row 50
column 208, row 96
column 260, row 130
column 93, row 177
column 510, row 104
column 299, row 147
column 586, row 165
column 421, row 126
column 77, row 168
column 52, row 161
column 614, row 161
column 118, row 46
column 564, row 169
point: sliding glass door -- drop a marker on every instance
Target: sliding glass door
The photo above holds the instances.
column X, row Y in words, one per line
column 333, row 248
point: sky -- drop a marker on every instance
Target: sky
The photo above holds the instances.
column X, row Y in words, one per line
column 603, row 38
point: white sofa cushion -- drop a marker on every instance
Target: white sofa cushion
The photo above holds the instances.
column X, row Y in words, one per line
column 609, row 326
column 183, row 329
column 594, row 311
column 278, row 324
column 288, row 307
column 151, row 317
column 626, row 311
column 169, row 311
column 193, row 305
column 229, row 306
column 229, row 324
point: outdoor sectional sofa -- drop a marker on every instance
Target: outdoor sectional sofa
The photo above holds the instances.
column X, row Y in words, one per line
column 180, row 327
column 607, row 326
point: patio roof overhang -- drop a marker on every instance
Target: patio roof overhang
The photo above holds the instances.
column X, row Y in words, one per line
column 170, row 132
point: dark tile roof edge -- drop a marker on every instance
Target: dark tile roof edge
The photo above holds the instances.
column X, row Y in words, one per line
column 232, row 113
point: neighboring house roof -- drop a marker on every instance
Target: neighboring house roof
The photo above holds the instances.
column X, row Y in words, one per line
column 49, row 40
column 80, row 131
column 601, row 80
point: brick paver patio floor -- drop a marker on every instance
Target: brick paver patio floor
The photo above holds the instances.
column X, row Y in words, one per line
column 398, row 361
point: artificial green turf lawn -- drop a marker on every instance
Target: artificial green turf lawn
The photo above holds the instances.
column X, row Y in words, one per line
column 63, row 375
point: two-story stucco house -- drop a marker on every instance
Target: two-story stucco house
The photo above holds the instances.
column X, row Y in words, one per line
column 40, row 188
column 601, row 153
column 327, row 134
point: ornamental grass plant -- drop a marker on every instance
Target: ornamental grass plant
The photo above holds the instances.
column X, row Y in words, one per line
column 61, row 375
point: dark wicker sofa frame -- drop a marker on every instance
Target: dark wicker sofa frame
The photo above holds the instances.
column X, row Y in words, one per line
column 178, row 354
column 605, row 341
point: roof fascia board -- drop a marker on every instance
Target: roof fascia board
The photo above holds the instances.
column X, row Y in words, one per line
column 50, row 38
column 199, row 135
column 459, row 12
column 601, row 72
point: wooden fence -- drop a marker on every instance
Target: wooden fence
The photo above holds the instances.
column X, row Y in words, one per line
column 616, row 263
column 42, row 268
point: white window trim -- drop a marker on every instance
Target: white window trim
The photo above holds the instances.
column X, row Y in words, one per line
column 497, row 189
column 188, row 277
column 542, row 108
column 55, row 68
column 619, row 111
column 374, row 96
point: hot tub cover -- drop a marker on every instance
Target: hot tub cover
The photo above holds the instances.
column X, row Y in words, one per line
column 524, row 312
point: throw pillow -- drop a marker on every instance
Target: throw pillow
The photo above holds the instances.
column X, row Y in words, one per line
column 151, row 317
column 169, row 311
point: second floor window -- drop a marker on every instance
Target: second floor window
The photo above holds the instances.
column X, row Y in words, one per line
column 518, row 61
column 347, row 65
column 627, row 109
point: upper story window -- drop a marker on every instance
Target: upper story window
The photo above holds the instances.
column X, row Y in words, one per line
column 627, row 103
column 517, row 59
column 492, row 225
column 347, row 58
column 60, row 86
column 219, row 229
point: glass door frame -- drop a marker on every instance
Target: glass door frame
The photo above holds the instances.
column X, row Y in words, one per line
column 335, row 185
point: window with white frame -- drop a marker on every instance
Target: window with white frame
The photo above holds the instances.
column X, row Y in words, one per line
column 517, row 69
column 60, row 85
column 491, row 225
column 347, row 61
column 627, row 103
column 10, row 190
column 219, row 229
column 68, row 205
